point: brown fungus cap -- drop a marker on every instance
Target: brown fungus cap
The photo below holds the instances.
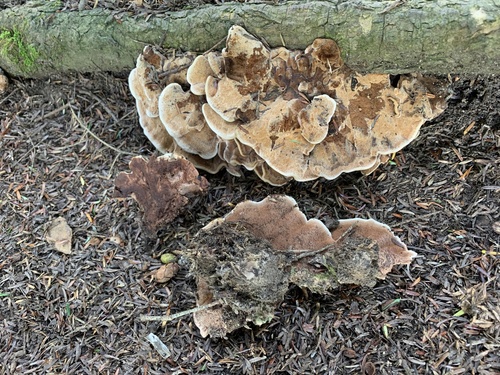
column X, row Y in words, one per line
column 247, row 67
column 161, row 186
column 269, row 175
column 143, row 80
column 180, row 112
column 198, row 73
column 246, row 60
column 147, row 82
column 146, row 90
column 391, row 250
column 146, row 86
column 278, row 220
column 306, row 114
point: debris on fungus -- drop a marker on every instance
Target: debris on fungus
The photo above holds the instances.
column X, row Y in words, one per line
column 391, row 250
column 247, row 260
column 243, row 271
column 298, row 114
column 161, row 186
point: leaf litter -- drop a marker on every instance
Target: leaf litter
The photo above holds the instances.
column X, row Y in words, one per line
column 80, row 314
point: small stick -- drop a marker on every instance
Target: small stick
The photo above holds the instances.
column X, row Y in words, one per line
column 55, row 111
column 392, row 6
column 173, row 71
column 215, row 45
column 96, row 137
column 163, row 318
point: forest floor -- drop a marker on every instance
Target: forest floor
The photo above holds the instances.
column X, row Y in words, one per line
column 79, row 313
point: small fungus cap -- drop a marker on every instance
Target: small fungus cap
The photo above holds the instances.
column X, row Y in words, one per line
column 198, row 73
column 181, row 114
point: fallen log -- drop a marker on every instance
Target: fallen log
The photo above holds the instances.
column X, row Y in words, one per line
column 38, row 40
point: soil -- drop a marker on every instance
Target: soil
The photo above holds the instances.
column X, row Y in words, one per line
column 64, row 140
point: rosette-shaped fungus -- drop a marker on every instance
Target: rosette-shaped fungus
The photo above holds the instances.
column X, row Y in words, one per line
column 247, row 259
column 304, row 114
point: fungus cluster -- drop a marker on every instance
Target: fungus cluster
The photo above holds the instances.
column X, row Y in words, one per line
column 247, row 260
column 285, row 114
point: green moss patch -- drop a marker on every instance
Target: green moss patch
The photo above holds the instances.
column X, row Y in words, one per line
column 13, row 45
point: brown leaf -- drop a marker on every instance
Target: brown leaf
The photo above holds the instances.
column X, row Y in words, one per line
column 166, row 272
column 368, row 368
column 59, row 235
column 349, row 353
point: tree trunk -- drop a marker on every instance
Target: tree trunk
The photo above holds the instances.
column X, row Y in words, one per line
column 439, row 37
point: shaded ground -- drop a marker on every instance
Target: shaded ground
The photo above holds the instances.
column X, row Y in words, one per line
column 79, row 313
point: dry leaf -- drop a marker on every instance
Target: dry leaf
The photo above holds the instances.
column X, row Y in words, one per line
column 116, row 239
column 166, row 272
column 59, row 235
column 4, row 82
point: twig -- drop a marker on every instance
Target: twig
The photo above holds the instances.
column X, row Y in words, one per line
column 164, row 318
column 215, row 45
column 8, row 96
column 6, row 127
column 413, row 219
column 106, row 108
column 96, row 137
column 169, row 72
column 55, row 111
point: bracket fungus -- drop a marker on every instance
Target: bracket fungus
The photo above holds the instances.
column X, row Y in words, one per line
column 247, row 260
column 161, row 186
column 304, row 114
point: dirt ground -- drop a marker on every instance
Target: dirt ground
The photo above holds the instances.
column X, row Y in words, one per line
column 63, row 141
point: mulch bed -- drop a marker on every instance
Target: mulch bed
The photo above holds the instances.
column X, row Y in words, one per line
column 79, row 313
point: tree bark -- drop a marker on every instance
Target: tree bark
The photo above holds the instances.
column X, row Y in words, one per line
column 438, row 37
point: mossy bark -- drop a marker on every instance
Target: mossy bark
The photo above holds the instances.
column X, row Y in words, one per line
column 449, row 36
